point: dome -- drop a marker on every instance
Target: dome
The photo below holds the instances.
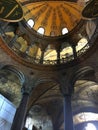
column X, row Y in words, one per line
column 50, row 33
column 49, row 63
column 52, row 16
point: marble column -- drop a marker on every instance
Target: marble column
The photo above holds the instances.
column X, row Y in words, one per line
column 42, row 57
column 74, row 51
column 58, row 56
column 67, row 88
column 68, row 116
column 19, row 119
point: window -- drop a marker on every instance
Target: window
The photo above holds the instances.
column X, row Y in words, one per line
column 64, row 31
column 29, row 123
column 30, row 22
column 82, row 42
column 41, row 30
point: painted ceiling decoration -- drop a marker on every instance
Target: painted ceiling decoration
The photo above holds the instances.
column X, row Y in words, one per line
column 53, row 16
column 10, row 10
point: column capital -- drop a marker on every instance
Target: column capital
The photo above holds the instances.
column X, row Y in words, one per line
column 28, row 85
column 67, row 80
column 66, row 84
column 25, row 90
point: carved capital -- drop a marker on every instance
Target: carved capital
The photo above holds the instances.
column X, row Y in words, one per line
column 28, row 85
column 68, row 79
column 66, row 84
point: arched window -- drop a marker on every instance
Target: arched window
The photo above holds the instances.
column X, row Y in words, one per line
column 66, row 52
column 82, row 42
column 50, row 54
column 30, row 22
column 64, row 31
column 41, row 30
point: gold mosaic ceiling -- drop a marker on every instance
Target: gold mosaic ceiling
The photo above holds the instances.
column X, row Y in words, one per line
column 53, row 16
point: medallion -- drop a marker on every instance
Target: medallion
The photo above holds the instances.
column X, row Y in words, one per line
column 91, row 10
column 10, row 10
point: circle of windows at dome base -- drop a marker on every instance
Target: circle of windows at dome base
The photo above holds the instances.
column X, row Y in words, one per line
column 41, row 30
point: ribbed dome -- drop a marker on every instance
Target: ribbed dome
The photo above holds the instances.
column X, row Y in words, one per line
column 52, row 16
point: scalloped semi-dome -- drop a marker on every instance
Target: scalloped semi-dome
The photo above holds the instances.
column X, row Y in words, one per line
column 52, row 16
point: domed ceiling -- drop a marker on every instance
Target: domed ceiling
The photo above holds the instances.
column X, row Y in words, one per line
column 50, row 33
column 48, row 94
column 52, row 16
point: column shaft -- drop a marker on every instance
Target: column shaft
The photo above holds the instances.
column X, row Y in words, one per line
column 42, row 57
column 68, row 117
column 74, row 51
column 19, row 119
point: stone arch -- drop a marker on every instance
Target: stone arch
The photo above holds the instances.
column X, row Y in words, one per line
column 86, row 73
column 84, row 98
column 11, row 80
column 82, row 79
column 15, row 70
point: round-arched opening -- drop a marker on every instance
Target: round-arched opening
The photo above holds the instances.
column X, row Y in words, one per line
column 64, row 31
column 30, row 22
column 11, row 81
column 41, row 30
column 38, row 118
